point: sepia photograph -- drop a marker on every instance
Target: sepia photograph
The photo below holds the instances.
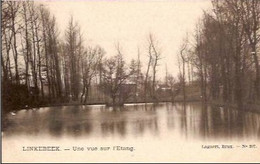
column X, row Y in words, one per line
column 130, row 81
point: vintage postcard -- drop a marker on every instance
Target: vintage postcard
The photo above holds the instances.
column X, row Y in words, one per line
column 130, row 81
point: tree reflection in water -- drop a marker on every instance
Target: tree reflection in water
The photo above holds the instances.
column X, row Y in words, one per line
column 192, row 120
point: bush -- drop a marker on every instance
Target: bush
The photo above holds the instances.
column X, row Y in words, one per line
column 14, row 97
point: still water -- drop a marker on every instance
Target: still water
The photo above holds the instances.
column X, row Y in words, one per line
column 189, row 122
column 158, row 133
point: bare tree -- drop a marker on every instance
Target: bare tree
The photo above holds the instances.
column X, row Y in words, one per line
column 156, row 57
column 14, row 7
column 147, row 71
column 115, row 75
column 183, row 60
column 135, row 68
column 89, row 65
column 45, row 18
column 251, row 25
column 74, row 45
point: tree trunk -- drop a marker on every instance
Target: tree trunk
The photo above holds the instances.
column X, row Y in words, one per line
column 17, row 80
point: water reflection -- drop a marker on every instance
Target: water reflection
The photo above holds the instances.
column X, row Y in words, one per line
column 189, row 121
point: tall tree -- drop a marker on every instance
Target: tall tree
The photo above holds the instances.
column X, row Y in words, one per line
column 89, row 65
column 74, row 45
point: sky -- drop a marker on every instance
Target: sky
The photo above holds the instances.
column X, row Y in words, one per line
column 129, row 23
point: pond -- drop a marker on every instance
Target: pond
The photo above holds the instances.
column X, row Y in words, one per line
column 148, row 128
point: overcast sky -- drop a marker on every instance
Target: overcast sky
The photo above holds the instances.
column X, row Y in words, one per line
column 129, row 22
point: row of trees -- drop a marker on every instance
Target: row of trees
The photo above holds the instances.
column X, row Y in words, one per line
column 29, row 53
column 39, row 66
column 225, row 52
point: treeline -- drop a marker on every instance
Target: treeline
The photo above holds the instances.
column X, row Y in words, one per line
column 30, row 54
column 224, row 53
column 40, row 67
